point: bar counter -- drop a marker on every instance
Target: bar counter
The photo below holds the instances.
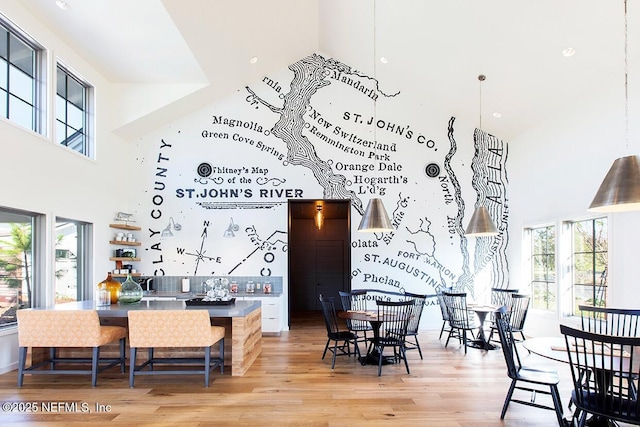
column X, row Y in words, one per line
column 242, row 321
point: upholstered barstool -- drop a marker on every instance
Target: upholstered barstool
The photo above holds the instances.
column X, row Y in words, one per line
column 154, row 329
column 66, row 329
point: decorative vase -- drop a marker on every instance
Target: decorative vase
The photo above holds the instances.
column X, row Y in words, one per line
column 131, row 291
column 112, row 286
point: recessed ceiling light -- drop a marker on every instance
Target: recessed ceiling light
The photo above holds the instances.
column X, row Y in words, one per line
column 62, row 4
column 497, row 114
column 568, row 52
column 384, row 60
column 253, row 60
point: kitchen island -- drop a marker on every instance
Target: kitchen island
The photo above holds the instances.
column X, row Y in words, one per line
column 242, row 322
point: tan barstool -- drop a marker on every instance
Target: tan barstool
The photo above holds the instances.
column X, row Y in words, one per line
column 153, row 329
column 66, row 328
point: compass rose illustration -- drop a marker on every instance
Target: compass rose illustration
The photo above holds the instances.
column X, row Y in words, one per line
column 200, row 254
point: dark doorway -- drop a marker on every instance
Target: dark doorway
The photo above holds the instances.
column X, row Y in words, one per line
column 319, row 256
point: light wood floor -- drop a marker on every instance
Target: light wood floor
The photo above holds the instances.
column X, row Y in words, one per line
column 290, row 385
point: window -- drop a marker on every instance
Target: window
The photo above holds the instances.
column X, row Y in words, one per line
column 19, row 74
column 73, row 243
column 16, row 263
column 543, row 268
column 72, row 128
column 589, row 261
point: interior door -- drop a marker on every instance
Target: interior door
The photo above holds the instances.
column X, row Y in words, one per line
column 319, row 258
column 329, row 269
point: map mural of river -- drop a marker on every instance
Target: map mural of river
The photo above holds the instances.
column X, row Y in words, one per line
column 216, row 183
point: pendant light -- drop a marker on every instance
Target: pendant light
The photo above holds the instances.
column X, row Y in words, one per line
column 620, row 189
column 375, row 218
column 481, row 224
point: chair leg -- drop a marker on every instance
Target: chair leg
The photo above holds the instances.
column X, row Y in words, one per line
column 418, row 346
column 448, row 337
column 94, row 366
column 122, row 355
column 207, row 365
column 222, row 356
column 132, row 365
column 324, row 353
column 151, row 359
column 22, row 358
column 442, row 330
column 52, row 357
column 557, row 404
column 508, row 399
column 335, row 350
column 380, row 350
column 464, row 340
column 404, row 356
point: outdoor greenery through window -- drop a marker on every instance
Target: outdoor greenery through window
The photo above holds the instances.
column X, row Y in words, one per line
column 72, row 112
column 543, row 268
column 16, row 263
column 72, row 255
column 19, row 59
column 589, row 260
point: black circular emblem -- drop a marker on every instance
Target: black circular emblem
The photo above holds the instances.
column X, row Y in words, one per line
column 432, row 170
column 204, row 169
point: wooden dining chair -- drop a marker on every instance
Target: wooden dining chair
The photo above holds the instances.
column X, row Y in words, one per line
column 342, row 339
column 459, row 321
column 411, row 339
column 444, row 313
column 535, row 381
column 517, row 311
column 395, row 317
column 604, row 369
column 610, row 321
column 356, row 300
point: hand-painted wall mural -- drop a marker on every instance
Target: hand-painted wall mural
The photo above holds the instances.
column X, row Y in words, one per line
column 215, row 184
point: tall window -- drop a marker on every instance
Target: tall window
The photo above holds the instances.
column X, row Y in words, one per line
column 72, row 128
column 590, row 259
column 543, row 268
column 16, row 263
column 19, row 74
column 73, row 243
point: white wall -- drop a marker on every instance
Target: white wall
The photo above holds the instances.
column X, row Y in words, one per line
column 41, row 176
column 555, row 170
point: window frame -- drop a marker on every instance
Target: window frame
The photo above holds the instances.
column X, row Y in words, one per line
column 38, row 80
column 37, row 261
column 87, row 130
column 596, row 278
column 530, row 239
column 84, row 254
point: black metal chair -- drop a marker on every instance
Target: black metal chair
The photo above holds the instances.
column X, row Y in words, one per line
column 356, row 300
column 535, row 379
column 394, row 317
column 411, row 339
column 603, row 369
column 342, row 340
column 459, row 321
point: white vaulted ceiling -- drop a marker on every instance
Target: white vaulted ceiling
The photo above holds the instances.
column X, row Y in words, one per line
column 435, row 49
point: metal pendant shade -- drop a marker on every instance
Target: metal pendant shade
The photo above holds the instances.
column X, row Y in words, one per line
column 481, row 224
column 620, row 189
column 375, row 218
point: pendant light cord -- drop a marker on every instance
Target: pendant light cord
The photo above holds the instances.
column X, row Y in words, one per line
column 481, row 78
column 626, row 81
